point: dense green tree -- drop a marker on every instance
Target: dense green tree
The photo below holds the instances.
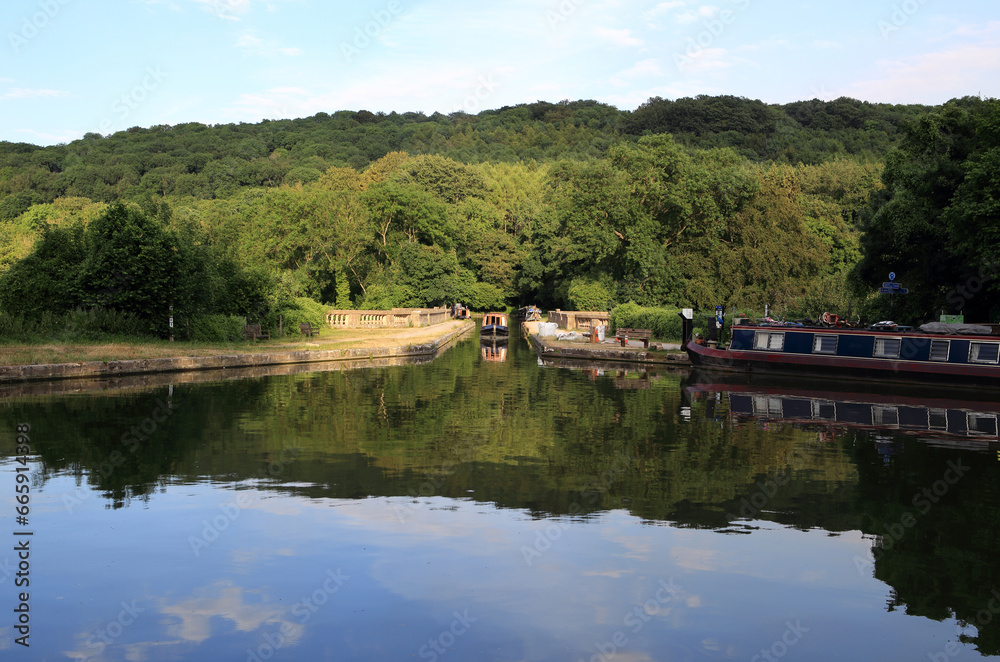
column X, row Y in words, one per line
column 934, row 225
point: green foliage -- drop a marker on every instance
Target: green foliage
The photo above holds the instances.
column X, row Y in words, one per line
column 665, row 323
column 241, row 220
column 134, row 265
column 94, row 324
column 588, row 293
column 301, row 310
column 935, row 223
column 217, row 328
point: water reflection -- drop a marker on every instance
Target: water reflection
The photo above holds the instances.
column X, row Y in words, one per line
column 456, row 511
column 493, row 351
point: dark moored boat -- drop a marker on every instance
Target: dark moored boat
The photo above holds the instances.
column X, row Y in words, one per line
column 494, row 326
column 937, row 352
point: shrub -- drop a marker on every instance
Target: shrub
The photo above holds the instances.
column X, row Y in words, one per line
column 217, row 328
column 586, row 293
column 77, row 324
column 301, row 310
column 665, row 323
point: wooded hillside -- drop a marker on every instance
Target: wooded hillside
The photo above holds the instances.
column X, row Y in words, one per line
column 695, row 202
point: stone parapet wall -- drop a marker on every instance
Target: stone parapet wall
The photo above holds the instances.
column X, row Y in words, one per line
column 575, row 319
column 383, row 319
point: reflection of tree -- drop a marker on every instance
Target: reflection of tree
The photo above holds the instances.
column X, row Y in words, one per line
column 549, row 441
column 944, row 563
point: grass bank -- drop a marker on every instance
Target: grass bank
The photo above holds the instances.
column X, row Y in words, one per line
column 48, row 352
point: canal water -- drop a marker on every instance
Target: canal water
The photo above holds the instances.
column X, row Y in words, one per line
column 486, row 506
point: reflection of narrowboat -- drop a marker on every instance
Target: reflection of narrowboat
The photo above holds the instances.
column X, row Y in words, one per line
column 494, row 326
column 920, row 412
column 937, row 352
column 494, row 352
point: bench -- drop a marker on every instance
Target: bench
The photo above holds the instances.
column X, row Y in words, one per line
column 254, row 332
column 305, row 328
column 623, row 335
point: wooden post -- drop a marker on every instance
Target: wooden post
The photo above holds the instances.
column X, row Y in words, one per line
column 280, row 334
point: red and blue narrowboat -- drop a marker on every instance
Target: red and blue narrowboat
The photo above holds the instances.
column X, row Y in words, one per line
column 966, row 353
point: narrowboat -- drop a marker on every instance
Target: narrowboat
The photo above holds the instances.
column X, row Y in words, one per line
column 935, row 352
column 494, row 326
column 460, row 312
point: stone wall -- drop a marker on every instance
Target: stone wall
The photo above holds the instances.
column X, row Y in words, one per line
column 380, row 319
column 575, row 319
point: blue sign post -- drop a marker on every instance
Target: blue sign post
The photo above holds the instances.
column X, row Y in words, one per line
column 892, row 287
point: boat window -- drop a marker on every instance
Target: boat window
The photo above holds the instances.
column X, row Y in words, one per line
column 982, row 423
column 888, row 416
column 937, row 419
column 768, row 340
column 887, row 348
column 825, row 344
column 984, row 352
column 940, row 350
column 765, row 406
column 824, row 409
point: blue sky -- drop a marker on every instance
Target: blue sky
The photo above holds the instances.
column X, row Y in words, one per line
column 74, row 66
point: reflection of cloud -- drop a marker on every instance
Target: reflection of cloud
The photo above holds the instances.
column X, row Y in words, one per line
column 696, row 559
column 221, row 600
column 227, row 603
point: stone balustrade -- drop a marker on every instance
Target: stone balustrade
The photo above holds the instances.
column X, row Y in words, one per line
column 383, row 319
column 575, row 319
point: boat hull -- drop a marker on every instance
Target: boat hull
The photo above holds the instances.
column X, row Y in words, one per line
column 494, row 332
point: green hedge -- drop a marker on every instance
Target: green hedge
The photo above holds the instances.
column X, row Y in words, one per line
column 77, row 324
column 302, row 309
column 217, row 328
column 665, row 323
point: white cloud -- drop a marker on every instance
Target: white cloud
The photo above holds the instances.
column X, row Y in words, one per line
column 933, row 77
column 230, row 10
column 254, row 45
column 643, row 69
column 622, row 37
